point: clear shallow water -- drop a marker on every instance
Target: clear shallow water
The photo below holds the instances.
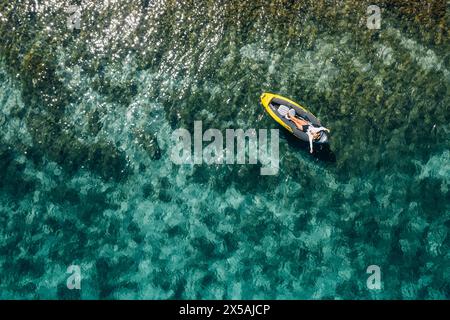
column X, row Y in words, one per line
column 85, row 176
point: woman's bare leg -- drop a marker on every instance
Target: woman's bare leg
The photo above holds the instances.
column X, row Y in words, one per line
column 298, row 122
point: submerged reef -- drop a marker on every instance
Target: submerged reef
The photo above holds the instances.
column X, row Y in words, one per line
column 86, row 117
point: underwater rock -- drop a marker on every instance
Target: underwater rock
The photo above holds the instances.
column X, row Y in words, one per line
column 150, row 144
column 107, row 161
column 94, row 123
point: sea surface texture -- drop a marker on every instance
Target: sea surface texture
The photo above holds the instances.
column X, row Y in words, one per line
column 91, row 92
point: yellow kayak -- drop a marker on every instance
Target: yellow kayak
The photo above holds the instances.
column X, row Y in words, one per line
column 278, row 106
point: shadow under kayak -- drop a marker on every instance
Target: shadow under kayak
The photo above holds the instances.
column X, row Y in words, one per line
column 274, row 103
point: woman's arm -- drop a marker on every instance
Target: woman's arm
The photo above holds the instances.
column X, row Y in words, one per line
column 310, row 142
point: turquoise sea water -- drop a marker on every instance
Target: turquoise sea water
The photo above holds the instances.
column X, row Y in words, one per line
column 86, row 118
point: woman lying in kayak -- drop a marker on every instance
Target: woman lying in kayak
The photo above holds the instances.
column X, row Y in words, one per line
column 312, row 131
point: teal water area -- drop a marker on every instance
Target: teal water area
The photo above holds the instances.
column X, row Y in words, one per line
column 86, row 117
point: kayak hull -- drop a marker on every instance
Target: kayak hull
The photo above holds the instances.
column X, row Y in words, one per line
column 272, row 102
